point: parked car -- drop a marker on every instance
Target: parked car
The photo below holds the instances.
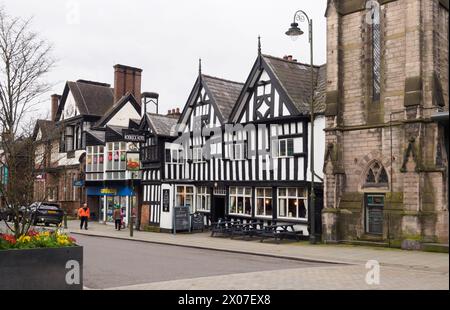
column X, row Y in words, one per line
column 46, row 213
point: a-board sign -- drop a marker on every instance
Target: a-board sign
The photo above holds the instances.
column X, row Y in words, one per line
column 181, row 219
column 197, row 222
column 166, row 200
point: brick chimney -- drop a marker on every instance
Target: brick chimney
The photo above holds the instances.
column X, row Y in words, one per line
column 127, row 79
column 54, row 106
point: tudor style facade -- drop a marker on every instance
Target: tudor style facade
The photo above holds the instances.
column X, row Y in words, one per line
column 242, row 149
column 159, row 130
column 386, row 164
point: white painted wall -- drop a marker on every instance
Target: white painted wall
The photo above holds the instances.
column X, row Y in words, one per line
column 123, row 116
column 319, row 146
column 70, row 107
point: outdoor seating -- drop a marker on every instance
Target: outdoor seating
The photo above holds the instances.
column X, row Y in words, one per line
column 236, row 228
column 223, row 227
column 280, row 232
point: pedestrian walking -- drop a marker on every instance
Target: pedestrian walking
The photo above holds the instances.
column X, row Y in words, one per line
column 117, row 216
column 83, row 215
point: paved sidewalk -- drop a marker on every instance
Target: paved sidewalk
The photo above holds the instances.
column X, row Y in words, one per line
column 343, row 254
column 349, row 277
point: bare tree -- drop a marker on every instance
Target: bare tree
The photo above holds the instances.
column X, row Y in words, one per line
column 25, row 60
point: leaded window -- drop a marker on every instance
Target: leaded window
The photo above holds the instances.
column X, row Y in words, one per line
column 375, row 27
column 376, row 175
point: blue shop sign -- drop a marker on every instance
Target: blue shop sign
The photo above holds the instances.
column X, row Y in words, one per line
column 110, row 191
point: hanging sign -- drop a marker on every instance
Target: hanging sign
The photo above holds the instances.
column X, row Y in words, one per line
column 133, row 136
column 133, row 161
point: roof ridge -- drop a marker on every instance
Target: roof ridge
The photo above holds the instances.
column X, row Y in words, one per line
column 293, row 62
column 222, row 79
column 93, row 83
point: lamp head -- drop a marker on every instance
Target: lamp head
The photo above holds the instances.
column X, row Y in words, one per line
column 294, row 31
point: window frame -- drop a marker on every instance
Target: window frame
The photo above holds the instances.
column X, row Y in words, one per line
column 264, row 197
column 245, row 196
column 204, row 195
column 287, row 197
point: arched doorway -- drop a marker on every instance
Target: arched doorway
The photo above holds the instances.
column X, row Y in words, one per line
column 375, row 185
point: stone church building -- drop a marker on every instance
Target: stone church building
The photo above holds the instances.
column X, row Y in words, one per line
column 386, row 159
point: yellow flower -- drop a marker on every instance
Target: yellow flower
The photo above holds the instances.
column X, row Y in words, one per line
column 24, row 239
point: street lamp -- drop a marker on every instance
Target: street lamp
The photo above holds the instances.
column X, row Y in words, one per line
column 294, row 32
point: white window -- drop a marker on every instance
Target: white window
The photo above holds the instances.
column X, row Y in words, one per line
column 203, row 199
column 287, row 147
column 236, row 151
column 292, row 203
column 173, row 154
column 264, row 202
column 197, row 154
column 94, row 159
column 116, row 159
column 240, row 200
column 185, row 197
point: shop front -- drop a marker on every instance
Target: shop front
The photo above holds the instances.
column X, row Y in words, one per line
column 106, row 198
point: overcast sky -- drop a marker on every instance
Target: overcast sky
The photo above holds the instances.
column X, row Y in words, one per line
column 166, row 37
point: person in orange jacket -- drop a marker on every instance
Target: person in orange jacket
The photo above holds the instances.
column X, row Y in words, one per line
column 83, row 215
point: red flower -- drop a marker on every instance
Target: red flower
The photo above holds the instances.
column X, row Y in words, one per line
column 72, row 239
column 9, row 238
column 32, row 233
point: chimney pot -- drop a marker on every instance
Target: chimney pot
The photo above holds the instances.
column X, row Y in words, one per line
column 285, row 57
column 289, row 57
column 178, row 110
column 169, row 112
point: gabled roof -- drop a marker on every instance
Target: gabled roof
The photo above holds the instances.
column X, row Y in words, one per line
column 128, row 97
column 91, row 98
column 48, row 130
column 293, row 80
column 223, row 92
column 162, row 125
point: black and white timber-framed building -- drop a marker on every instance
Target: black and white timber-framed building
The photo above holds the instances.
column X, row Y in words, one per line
column 241, row 150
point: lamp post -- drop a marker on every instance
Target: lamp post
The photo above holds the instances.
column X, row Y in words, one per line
column 294, row 32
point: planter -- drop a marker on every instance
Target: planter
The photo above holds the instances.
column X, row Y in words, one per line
column 42, row 269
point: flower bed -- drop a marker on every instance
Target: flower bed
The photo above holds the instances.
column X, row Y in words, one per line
column 40, row 260
column 34, row 239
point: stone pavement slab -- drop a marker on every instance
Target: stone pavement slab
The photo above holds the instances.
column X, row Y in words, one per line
column 317, row 278
column 343, row 254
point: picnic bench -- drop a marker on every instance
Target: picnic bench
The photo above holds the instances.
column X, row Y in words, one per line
column 223, row 227
column 249, row 229
column 280, row 232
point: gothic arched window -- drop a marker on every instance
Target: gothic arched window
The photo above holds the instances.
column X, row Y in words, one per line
column 376, row 176
column 373, row 19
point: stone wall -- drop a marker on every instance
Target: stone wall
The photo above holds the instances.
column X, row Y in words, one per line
column 397, row 131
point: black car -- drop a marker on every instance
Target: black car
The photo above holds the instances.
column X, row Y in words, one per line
column 46, row 213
